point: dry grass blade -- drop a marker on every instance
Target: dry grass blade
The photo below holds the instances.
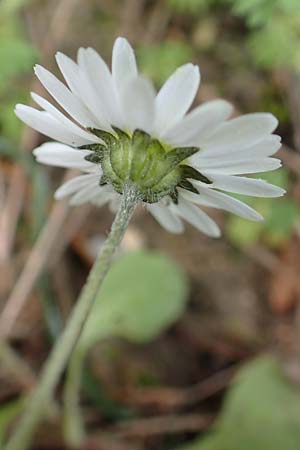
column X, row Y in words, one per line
column 163, row 424
column 165, row 398
column 20, row 370
column 35, row 264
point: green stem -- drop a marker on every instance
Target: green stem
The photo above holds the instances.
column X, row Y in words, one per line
column 21, row 437
column 73, row 424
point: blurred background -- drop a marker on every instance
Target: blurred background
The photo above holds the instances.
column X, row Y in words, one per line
column 200, row 350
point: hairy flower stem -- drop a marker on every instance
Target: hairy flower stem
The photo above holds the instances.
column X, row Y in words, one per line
column 57, row 361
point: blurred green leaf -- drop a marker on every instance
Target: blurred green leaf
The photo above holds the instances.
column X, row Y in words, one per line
column 16, row 56
column 9, row 7
column 278, row 177
column 280, row 221
column 242, row 232
column 280, row 216
column 10, row 125
column 8, row 150
column 143, row 293
column 8, row 412
column 190, row 6
column 256, row 12
column 277, row 44
column 158, row 61
column 260, row 412
column 274, row 102
column 259, row 12
column 274, row 40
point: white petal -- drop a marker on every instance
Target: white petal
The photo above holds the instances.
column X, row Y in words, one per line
column 106, row 195
column 86, row 193
column 235, row 134
column 85, row 189
column 215, row 199
column 71, row 73
column 247, row 186
column 74, row 185
column 137, row 100
column 44, row 123
column 60, row 155
column 196, row 217
column 166, row 218
column 213, row 166
column 64, row 97
column 81, row 86
column 175, row 97
column 123, row 63
column 99, row 76
column 266, row 147
column 199, row 123
column 47, row 106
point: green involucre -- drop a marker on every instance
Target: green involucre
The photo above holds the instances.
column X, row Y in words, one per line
column 155, row 170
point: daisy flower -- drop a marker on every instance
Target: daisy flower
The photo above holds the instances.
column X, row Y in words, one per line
column 116, row 128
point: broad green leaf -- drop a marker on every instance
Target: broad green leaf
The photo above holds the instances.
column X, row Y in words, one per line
column 143, row 293
column 261, row 412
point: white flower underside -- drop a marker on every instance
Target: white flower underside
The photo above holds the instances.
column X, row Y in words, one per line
column 97, row 98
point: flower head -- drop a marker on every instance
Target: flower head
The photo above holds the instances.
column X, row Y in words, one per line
column 116, row 128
